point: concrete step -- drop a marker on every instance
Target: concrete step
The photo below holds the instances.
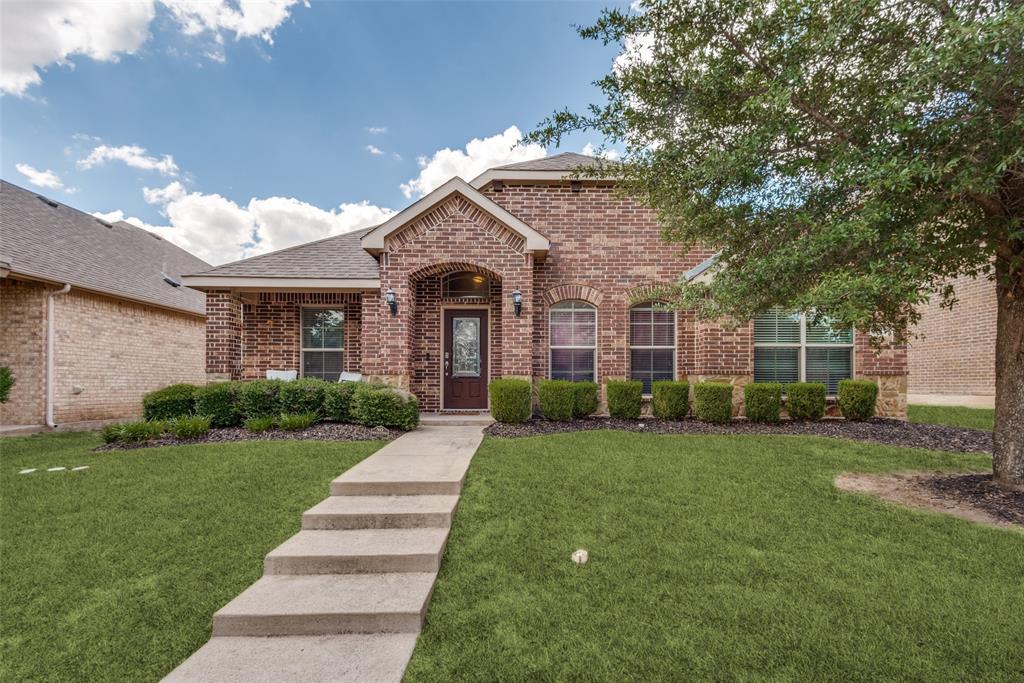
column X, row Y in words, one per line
column 328, row 604
column 381, row 512
column 349, row 658
column 450, row 441
column 404, row 475
column 354, row 551
column 455, row 419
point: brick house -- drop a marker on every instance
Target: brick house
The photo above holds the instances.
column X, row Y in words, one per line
column 522, row 272
column 92, row 314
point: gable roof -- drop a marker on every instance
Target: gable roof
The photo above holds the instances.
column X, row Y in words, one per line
column 338, row 261
column 552, row 168
column 373, row 241
column 45, row 240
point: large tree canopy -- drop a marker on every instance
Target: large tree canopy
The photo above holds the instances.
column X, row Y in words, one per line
column 845, row 157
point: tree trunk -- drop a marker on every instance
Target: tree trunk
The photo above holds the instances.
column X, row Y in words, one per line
column 1008, row 438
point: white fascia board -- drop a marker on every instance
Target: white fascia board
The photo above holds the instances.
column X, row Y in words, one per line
column 269, row 283
column 482, row 180
column 373, row 241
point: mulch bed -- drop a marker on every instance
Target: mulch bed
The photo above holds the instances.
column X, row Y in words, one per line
column 980, row 491
column 327, row 431
column 877, row 430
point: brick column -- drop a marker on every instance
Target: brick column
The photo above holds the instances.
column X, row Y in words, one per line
column 223, row 336
column 392, row 348
column 725, row 355
column 886, row 367
column 517, row 332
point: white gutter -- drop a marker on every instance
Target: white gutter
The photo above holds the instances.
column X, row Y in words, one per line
column 49, row 353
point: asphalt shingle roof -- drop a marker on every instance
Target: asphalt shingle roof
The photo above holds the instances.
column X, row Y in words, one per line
column 566, row 161
column 66, row 245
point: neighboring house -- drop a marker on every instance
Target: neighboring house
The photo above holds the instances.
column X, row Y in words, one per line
column 520, row 273
column 953, row 360
column 92, row 314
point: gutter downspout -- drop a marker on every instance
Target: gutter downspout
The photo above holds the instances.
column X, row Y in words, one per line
column 49, row 352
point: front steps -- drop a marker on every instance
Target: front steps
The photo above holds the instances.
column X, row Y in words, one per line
column 343, row 599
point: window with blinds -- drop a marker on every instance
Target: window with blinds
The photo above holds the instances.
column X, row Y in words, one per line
column 790, row 348
column 323, row 342
column 652, row 345
column 573, row 341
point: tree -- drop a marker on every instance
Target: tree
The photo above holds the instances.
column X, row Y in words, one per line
column 846, row 157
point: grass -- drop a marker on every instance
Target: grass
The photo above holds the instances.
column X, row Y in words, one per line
column 113, row 573
column 954, row 416
column 714, row 557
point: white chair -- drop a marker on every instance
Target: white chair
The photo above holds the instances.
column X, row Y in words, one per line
column 350, row 377
column 286, row 375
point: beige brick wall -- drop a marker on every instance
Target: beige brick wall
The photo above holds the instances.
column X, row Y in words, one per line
column 108, row 353
column 955, row 352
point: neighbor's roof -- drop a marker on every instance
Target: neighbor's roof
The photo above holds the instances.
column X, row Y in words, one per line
column 46, row 240
column 551, row 169
column 566, row 161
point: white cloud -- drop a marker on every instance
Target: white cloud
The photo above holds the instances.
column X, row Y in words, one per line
column 608, row 153
column 37, row 34
column 375, row 151
column 283, row 221
column 40, row 178
column 479, row 156
column 377, row 130
column 163, row 195
column 133, row 156
column 110, row 216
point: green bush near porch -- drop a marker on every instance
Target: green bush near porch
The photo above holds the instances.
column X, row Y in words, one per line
column 259, row 398
column 805, row 400
column 170, row 402
column 857, row 398
column 712, row 401
column 219, row 402
column 670, row 400
column 380, row 405
column 585, row 400
column 625, row 398
column 762, row 401
column 511, row 400
column 338, row 400
column 557, row 397
column 302, row 396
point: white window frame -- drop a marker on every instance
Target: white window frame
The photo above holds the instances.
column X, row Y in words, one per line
column 303, row 349
column 552, row 347
column 804, row 345
column 652, row 306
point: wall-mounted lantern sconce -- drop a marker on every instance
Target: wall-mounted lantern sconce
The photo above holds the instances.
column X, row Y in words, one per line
column 517, row 302
column 392, row 300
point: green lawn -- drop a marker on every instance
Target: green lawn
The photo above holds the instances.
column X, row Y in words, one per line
column 954, row 416
column 113, row 573
column 715, row 557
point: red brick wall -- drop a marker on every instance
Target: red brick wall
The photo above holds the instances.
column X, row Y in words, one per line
column 955, row 350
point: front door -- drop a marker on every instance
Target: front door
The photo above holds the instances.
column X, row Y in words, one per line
column 465, row 359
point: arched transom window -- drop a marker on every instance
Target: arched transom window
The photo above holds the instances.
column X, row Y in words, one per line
column 652, row 344
column 465, row 285
column 573, row 341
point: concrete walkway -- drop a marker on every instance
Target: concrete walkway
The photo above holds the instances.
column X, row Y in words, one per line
column 344, row 599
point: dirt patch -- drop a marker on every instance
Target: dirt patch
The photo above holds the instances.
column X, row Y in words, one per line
column 877, row 430
column 327, row 431
column 975, row 497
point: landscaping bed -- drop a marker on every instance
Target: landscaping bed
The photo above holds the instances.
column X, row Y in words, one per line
column 324, row 431
column 877, row 430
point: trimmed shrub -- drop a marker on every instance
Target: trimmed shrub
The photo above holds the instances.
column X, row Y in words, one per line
column 511, row 400
column 6, row 382
column 857, row 398
column 170, row 402
column 763, row 401
column 805, row 400
column 219, row 402
column 712, row 401
column 302, row 396
column 557, row 397
column 625, row 398
column 143, row 430
column 670, row 400
column 189, row 427
column 111, row 433
column 338, row 400
column 584, row 398
column 259, row 398
column 380, row 405
column 296, row 421
column 261, row 424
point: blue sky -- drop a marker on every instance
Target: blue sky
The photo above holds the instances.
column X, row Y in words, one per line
column 266, row 130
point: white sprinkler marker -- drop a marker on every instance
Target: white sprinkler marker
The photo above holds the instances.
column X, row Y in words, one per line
column 28, row 471
column 80, row 467
column 580, row 556
column 56, row 469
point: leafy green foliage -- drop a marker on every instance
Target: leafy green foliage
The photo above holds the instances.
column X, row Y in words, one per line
column 557, row 397
column 6, row 382
column 219, row 401
column 670, row 400
column 261, row 424
column 111, row 433
column 585, row 400
column 259, row 398
column 170, row 402
column 380, row 405
column 294, row 422
column 625, row 398
column 304, row 395
column 857, row 398
column 762, row 401
column 189, row 427
column 712, row 401
column 805, row 400
column 511, row 400
column 338, row 400
column 143, row 430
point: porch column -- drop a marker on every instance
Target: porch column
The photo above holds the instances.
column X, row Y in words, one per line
column 517, row 331
column 223, row 336
column 386, row 344
column 725, row 355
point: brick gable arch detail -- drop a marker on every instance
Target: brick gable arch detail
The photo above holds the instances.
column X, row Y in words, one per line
column 456, row 207
column 570, row 291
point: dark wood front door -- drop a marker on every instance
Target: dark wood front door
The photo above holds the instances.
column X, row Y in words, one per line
column 465, row 359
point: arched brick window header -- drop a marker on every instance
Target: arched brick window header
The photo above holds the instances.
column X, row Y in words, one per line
column 448, row 267
column 572, row 292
